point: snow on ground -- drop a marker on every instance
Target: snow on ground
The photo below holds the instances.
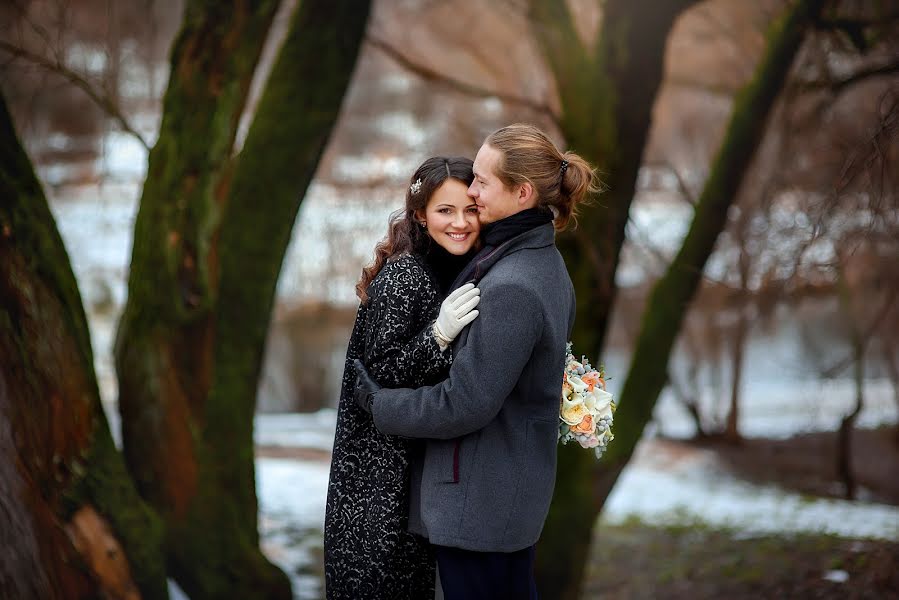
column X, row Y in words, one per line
column 292, row 513
column 668, row 484
column 665, row 483
column 291, row 430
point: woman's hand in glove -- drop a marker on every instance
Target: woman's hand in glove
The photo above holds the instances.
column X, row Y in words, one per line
column 456, row 312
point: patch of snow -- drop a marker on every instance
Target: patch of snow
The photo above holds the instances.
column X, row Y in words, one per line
column 295, row 430
column 292, row 511
column 175, row 592
column 668, row 484
column 123, row 158
column 837, row 575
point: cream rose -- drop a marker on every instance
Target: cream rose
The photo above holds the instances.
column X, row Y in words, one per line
column 573, row 411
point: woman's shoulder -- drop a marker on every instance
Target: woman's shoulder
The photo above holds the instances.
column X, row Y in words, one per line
column 406, row 260
column 404, row 272
column 403, row 263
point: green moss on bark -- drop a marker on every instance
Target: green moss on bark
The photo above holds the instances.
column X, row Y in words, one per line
column 607, row 90
column 190, row 346
column 296, row 114
column 62, row 436
column 671, row 296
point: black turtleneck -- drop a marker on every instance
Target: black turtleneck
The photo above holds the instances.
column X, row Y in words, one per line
column 444, row 265
column 494, row 234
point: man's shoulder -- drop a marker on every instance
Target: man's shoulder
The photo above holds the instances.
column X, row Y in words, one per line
column 527, row 263
column 537, row 273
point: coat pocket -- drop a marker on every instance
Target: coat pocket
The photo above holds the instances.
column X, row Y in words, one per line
column 443, row 461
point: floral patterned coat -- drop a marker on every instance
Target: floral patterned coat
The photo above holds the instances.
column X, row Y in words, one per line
column 369, row 553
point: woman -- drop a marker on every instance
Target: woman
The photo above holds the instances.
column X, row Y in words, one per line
column 402, row 333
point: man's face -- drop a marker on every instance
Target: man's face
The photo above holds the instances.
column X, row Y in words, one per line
column 495, row 201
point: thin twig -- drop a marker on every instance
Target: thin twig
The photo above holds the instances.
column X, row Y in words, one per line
column 100, row 99
column 838, row 86
column 865, row 338
column 458, row 85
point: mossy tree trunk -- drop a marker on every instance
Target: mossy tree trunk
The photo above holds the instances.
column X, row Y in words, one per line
column 607, row 91
column 209, row 240
column 671, row 296
column 71, row 522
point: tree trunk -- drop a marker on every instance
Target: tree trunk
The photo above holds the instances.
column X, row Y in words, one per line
column 209, row 240
column 296, row 114
column 607, row 93
column 71, row 522
column 858, row 340
column 738, row 347
column 844, row 435
column 689, row 400
column 889, row 360
column 670, row 297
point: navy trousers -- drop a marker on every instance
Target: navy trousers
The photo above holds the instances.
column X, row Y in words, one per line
column 469, row 575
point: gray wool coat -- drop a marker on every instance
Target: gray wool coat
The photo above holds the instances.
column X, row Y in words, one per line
column 487, row 475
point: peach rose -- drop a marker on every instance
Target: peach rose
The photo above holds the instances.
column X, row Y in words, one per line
column 585, row 426
column 592, row 379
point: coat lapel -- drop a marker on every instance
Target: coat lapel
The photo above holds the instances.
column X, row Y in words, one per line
column 474, row 271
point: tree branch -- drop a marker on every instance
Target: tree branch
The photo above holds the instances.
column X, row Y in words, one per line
column 864, row 74
column 457, row 85
column 865, row 338
column 100, row 99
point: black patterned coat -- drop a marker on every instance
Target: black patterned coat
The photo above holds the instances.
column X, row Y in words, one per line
column 369, row 553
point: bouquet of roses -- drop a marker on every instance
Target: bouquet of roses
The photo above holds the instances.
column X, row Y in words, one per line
column 586, row 408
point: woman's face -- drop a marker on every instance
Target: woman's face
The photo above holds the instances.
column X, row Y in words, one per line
column 451, row 217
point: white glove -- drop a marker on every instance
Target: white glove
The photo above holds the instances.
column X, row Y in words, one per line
column 456, row 312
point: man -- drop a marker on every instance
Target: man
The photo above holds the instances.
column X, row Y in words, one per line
column 482, row 492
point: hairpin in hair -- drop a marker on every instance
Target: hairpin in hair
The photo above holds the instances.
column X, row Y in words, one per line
column 564, row 166
column 415, row 186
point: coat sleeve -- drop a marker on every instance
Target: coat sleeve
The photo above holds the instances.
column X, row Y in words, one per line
column 398, row 351
column 482, row 376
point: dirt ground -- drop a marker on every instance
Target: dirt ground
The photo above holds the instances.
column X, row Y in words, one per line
column 636, row 561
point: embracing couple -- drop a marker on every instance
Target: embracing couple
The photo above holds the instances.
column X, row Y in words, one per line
column 445, row 449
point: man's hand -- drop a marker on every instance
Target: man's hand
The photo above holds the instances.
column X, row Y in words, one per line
column 365, row 387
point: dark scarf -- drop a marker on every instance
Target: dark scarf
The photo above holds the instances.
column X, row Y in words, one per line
column 496, row 233
column 445, row 266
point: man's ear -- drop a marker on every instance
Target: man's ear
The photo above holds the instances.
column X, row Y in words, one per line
column 525, row 194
